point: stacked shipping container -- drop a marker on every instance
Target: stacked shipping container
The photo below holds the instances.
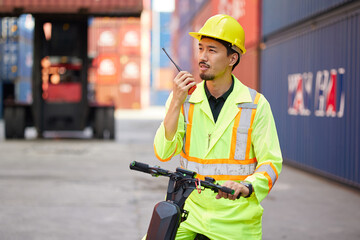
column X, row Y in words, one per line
column 309, row 73
column 16, row 54
column 114, row 46
column 190, row 15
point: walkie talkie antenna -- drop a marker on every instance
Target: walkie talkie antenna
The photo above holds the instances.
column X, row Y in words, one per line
column 192, row 89
column 177, row 67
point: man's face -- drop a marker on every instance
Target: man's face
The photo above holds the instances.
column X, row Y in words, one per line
column 213, row 59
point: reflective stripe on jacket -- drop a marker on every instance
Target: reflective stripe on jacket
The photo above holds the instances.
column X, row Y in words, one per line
column 238, row 166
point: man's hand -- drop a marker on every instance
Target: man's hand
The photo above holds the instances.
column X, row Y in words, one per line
column 181, row 85
column 237, row 187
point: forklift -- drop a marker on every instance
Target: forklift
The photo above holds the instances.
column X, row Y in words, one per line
column 59, row 83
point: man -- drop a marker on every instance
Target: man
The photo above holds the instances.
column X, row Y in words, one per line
column 224, row 130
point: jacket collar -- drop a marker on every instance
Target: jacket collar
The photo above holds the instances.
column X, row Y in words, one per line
column 240, row 93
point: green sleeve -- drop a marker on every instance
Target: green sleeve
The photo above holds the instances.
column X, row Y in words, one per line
column 267, row 150
column 163, row 148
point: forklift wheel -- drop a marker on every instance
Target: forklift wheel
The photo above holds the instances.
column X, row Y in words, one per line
column 99, row 123
column 9, row 123
column 14, row 122
column 110, row 125
column 19, row 122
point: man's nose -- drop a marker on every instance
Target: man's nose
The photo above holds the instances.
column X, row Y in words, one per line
column 203, row 56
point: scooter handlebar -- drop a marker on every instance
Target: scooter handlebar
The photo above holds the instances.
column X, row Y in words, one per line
column 227, row 190
column 138, row 166
column 156, row 171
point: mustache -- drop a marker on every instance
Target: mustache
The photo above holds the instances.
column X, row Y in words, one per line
column 207, row 65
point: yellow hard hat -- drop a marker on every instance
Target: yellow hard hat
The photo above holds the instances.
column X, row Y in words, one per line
column 223, row 27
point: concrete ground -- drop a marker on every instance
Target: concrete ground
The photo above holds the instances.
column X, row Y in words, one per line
column 82, row 189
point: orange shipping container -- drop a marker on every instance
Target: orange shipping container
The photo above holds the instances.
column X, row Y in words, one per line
column 130, row 38
column 103, row 35
column 130, row 71
column 107, row 69
column 106, row 94
column 123, row 96
column 128, row 96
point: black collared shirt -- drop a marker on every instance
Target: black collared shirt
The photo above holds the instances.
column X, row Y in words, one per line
column 216, row 104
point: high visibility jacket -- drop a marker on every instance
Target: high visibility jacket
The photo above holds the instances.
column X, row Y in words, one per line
column 241, row 145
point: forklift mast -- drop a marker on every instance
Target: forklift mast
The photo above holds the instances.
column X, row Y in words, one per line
column 60, row 73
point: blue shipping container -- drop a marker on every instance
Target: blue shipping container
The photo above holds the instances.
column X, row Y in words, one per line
column 310, row 75
column 25, row 61
column 9, row 59
column 165, row 38
column 1, row 99
column 185, row 50
column 9, row 27
column 23, row 93
column 26, row 25
column 278, row 14
column 187, row 10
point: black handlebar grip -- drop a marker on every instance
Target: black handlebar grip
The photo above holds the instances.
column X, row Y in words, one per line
column 138, row 166
column 227, row 190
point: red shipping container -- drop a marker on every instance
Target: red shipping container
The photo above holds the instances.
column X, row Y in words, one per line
column 106, row 94
column 247, row 71
column 206, row 12
column 130, row 71
column 73, row 6
column 106, row 39
column 129, row 96
column 107, row 69
column 246, row 12
column 130, row 38
column 103, row 35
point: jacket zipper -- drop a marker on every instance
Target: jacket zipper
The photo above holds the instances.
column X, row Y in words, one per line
column 209, row 136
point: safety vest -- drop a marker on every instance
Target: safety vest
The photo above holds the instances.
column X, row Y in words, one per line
column 238, row 165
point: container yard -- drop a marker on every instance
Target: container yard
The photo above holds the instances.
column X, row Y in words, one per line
column 83, row 87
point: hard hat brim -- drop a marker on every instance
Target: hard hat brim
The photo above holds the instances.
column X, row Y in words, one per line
column 198, row 36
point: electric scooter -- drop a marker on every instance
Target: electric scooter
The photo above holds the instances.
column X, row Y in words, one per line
column 168, row 215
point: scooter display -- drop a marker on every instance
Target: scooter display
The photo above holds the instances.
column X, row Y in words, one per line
column 168, row 214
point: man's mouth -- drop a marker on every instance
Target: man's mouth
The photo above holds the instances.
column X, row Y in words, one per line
column 203, row 66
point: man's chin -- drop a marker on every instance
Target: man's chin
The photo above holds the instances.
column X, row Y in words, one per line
column 206, row 77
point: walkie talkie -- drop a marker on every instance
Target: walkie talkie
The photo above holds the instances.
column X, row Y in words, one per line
column 192, row 89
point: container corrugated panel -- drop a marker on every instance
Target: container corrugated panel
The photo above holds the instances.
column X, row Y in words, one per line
column 25, row 61
column 246, row 12
column 310, row 76
column 130, row 37
column 26, row 25
column 278, row 14
column 186, row 10
column 247, row 71
column 74, row 6
column 1, row 99
column 165, row 39
column 23, row 93
column 185, row 50
column 9, row 59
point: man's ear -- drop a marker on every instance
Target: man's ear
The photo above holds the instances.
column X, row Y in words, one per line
column 233, row 59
